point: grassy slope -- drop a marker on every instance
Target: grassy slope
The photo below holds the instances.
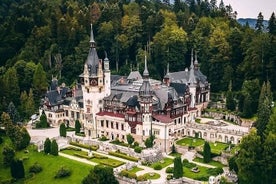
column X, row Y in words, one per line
column 50, row 165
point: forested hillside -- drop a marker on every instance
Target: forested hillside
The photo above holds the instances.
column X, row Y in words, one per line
column 41, row 39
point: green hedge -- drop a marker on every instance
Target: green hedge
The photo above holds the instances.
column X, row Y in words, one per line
column 93, row 148
column 82, row 156
column 121, row 155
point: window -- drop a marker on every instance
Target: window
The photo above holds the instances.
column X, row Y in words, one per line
column 66, row 113
column 156, row 132
column 117, row 125
column 122, row 126
column 78, row 115
column 72, row 114
column 107, row 124
column 102, row 123
column 111, row 124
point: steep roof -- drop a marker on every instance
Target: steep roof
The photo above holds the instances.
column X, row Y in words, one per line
column 92, row 61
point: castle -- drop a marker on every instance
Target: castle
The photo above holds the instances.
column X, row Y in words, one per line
column 114, row 106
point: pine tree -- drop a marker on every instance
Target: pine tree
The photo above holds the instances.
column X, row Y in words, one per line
column 178, row 168
column 62, row 130
column 264, row 109
column 47, row 146
column 54, row 148
column 14, row 115
column 272, row 24
column 206, row 153
column 77, row 126
column 17, row 169
column 260, row 22
column 30, row 105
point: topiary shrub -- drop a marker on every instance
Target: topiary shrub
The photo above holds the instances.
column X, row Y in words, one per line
column 169, row 170
column 124, row 173
column 132, row 175
column 36, row 168
column 187, row 164
column 157, row 167
column 135, row 144
column 138, row 149
column 141, row 178
column 63, row 172
column 169, row 176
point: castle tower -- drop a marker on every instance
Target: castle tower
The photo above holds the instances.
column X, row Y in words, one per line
column 93, row 88
column 145, row 98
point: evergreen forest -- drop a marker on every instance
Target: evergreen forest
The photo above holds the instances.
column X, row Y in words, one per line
column 44, row 39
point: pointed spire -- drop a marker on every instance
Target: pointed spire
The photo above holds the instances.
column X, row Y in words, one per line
column 146, row 72
column 196, row 61
column 92, row 41
column 192, row 59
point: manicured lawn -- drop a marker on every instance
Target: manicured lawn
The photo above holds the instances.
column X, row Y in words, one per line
column 203, row 174
column 190, row 141
column 135, row 169
column 97, row 159
column 164, row 162
column 151, row 176
column 51, row 164
column 213, row 163
column 218, row 147
column 175, row 154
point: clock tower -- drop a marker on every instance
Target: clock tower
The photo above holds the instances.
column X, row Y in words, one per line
column 94, row 88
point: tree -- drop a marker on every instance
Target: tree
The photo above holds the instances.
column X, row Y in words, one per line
column 130, row 139
column 264, row 109
column 25, row 138
column 62, row 130
column 272, row 24
column 100, row 174
column 178, row 168
column 206, row 153
column 232, row 164
column 249, row 158
column 54, row 148
column 77, row 126
column 11, row 87
column 173, row 149
column 8, row 155
column 17, row 169
column 230, row 102
column 39, row 82
column 260, row 23
column 47, row 146
column 14, row 115
column 269, row 159
column 149, row 141
column 43, row 121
